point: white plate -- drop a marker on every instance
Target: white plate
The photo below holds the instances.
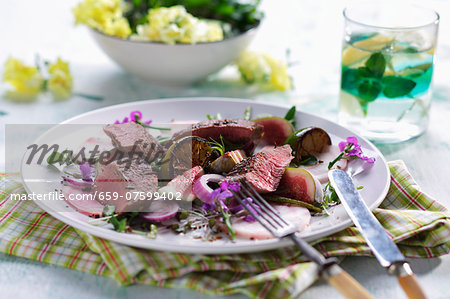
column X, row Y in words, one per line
column 375, row 182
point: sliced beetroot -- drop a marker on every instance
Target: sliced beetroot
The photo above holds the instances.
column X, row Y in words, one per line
column 264, row 169
column 320, row 170
column 300, row 185
column 298, row 216
column 161, row 210
column 276, row 129
column 82, row 201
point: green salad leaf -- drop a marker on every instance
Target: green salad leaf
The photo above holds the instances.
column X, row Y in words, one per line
column 241, row 15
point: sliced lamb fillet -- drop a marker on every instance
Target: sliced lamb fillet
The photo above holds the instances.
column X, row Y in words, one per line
column 183, row 184
column 133, row 183
column 129, row 136
column 244, row 133
column 264, row 169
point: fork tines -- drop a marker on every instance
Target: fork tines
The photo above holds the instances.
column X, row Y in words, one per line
column 262, row 211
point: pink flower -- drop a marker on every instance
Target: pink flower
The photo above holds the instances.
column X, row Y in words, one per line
column 135, row 116
column 351, row 148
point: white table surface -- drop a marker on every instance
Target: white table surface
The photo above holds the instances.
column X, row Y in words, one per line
column 311, row 29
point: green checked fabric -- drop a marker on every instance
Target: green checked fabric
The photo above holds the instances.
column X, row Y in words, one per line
column 417, row 223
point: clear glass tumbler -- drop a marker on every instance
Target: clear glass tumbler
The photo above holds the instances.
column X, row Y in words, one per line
column 387, row 67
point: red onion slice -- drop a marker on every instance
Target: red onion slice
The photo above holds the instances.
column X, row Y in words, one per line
column 201, row 188
column 161, row 210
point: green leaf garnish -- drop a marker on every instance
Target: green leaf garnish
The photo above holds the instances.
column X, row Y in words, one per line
column 248, row 113
column 219, row 146
column 119, row 225
column 376, row 64
column 226, row 220
column 369, row 90
column 290, row 116
column 394, row 86
column 309, row 160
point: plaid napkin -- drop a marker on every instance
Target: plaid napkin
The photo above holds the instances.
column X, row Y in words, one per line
column 417, row 223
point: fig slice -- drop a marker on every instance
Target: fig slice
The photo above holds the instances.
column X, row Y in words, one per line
column 301, row 185
column 276, row 129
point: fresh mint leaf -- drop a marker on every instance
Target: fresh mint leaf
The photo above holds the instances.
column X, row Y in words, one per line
column 395, row 87
column 350, row 79
column 369, row 90
column 364, row 72
column 376, row 64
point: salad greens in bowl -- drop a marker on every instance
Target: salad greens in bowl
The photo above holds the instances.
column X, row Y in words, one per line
column 170, row 42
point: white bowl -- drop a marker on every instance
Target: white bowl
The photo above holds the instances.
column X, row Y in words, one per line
column 179, row 64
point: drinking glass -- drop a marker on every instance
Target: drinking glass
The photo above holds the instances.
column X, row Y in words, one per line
column 387, row 67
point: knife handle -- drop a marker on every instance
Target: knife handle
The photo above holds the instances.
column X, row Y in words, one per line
column 411, row 287
column 345, row 284
column 407, row 280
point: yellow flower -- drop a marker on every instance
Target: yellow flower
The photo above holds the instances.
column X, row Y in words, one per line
column 117, row 27
column 279, row 77
column 103, row 15
column 26, row 81
column 263, row 68
column 253, row 67
column 60, row 80
column 174, row 24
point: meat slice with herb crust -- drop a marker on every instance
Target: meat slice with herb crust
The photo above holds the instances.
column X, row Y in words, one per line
column 243, row 133
column 264, row 169
column 129, row 136
column 129, row 188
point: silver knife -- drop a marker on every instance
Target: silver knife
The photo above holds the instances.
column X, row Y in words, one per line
column 376, row 237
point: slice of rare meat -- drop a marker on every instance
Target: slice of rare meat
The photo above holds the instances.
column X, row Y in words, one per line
column 299, row 216
column 131, row 188
column 264, row 169
column 129, row 136
column 183, row 184
column 241, row 132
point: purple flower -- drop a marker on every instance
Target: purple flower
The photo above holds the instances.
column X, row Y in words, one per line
column 249, row 218
column 86, row 171
column 132, row 118
column 209, row 206
column 351, row 148
column 234, row 186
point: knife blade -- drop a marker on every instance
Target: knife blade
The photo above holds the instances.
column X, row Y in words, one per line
column 382, row 246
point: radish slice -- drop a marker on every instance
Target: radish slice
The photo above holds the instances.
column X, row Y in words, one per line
column 298, row 216
column 201, row 188
column 320, row 171
column 81, row 201
column 161, row 210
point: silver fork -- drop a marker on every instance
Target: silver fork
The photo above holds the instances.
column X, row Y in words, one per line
column 268, row 217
